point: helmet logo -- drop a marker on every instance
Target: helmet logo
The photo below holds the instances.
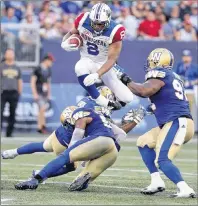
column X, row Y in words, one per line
column 156, row 57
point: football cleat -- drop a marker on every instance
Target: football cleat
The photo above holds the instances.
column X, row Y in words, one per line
column 31, row 184
column 34, row 173
column 153, row 188
column 114, row 105
column 80, row 183
column 190, row 193
column 9, row 154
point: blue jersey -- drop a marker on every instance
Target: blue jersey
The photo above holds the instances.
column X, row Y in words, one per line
column 64, row 134
column 170, row 101
column 88, row 102
column 99, row 126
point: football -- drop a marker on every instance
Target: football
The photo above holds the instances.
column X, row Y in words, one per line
column 76, row 39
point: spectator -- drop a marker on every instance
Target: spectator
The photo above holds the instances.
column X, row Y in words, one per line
column 49, row 31
column 129, row 22
column 158, row 11
column 194, row 16
column 186, row 33
column 139, row 10
column 28, row 37
column 29, row 11
column 10, row 17
column 116, row 9
column 150, row 28
column 174, row 20
column 47, row 13
column 67, row 23
column 40, row 84
column 184, row 9
column 166, row 29
column 11, row 88
column 189, row 73
column 56, row 8
column 19, row 8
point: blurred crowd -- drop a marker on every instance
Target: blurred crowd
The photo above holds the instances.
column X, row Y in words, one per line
column 151, row 19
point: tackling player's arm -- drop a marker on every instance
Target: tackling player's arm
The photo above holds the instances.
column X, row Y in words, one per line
column 79, row 130
column 127, row 127
column 147, row 89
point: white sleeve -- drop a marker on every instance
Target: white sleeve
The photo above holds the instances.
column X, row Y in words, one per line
column 119, row 133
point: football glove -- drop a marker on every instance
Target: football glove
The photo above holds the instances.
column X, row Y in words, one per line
column 91, row 79
column 125, row 79
column 68, row 47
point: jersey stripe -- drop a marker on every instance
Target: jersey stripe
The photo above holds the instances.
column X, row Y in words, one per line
column 98, row 11
column 83, row 20
column 115, row 29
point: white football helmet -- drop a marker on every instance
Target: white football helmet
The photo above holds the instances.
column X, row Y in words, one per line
column 100, row 16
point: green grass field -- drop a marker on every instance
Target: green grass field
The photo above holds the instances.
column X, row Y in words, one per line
column 119, row 185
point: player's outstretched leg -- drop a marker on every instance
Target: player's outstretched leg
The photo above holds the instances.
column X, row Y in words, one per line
column 145, row 144
column 83, row 150
column 26, row 149
column 171, row 138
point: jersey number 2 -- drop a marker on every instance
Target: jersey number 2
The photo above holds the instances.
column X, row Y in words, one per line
column 179, row 90
column 92, row 49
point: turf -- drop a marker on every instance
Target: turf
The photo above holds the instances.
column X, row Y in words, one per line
column 120, row 185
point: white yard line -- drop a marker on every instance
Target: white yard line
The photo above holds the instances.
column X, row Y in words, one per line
column 3, row 200
column 110, row 169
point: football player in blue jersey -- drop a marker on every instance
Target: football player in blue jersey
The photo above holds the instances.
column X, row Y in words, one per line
column 59, row 140
column 160, row 145
column 99, row 148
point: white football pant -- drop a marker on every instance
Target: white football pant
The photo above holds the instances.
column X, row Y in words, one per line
column 110, row 79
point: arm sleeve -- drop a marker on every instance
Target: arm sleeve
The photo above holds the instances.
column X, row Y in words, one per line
column 78, row 19
column 119, row 133
column 19, row 75
column 119, row 35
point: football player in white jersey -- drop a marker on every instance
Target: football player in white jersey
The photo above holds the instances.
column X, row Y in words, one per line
column 102, row 43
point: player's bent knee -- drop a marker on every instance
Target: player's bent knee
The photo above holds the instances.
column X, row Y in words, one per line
column 81, row 69
column 47, row 145
column 144, row 140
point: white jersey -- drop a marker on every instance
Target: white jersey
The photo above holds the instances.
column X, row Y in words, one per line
column 96, row 47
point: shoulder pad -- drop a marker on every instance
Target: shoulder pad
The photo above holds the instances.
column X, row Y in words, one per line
column 155, row 74
column 80, row 114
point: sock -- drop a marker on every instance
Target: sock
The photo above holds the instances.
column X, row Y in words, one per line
column 101, row 100
column 92, row 90
column 64, row 170
column 182, row 185
column 148, row 156
column 155, row 177
column 170, row 170
column 55, row 165
column 31, row 148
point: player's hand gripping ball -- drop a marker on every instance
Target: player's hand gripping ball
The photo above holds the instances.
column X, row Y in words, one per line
column 72, row 43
